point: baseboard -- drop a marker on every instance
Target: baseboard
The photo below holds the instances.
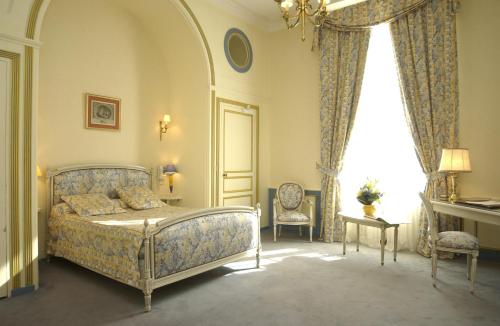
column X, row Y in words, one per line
column 489, row 254
column 21, row 291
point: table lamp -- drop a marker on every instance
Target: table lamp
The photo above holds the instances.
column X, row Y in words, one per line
column 170, row 170
column 454, row 161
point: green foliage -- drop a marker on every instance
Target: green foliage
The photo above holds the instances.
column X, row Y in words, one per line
column 368, row 193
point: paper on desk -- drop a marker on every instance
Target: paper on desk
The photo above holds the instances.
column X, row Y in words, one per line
column 487, row 203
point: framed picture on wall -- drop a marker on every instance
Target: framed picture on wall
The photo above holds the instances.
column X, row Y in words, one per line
column 102, row 112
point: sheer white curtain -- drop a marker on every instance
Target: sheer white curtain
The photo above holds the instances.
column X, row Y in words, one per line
column 381, row 147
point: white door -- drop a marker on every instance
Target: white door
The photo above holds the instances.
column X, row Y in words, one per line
column 237, row 154
column 4, row 104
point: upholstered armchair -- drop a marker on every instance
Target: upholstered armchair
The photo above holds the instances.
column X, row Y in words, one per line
column 288, row 208
column 451, row 241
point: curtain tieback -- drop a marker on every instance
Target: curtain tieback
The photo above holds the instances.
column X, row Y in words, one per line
column 326, row 170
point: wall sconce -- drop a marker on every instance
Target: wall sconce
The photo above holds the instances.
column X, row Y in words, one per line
column 38, row 171
column 164, row 124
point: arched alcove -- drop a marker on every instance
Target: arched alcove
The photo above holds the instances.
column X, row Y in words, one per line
column 149, row 55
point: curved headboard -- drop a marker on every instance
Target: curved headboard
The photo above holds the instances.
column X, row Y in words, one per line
column 101, row 178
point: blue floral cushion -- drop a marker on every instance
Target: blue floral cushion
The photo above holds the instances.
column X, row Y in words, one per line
column 92, row 204
column 293, row 216
column 290, row 195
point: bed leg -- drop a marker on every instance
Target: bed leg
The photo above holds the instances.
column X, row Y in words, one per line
column 147, row 286
column 147, row 301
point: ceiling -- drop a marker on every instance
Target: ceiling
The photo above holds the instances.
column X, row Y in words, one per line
column 264, row 14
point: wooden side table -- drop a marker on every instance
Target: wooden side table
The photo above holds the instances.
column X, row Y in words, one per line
column 170, row 198
column 360, row 219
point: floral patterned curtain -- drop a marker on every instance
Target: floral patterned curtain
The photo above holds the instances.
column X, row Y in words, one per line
column 426, row 51
column 343, row 57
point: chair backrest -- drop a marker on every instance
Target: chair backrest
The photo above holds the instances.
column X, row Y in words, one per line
column 431, row 219
column 290, row 195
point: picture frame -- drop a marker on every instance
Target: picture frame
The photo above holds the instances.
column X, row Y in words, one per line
column 102, row 112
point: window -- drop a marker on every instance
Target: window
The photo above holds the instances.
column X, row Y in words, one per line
column 381, row 146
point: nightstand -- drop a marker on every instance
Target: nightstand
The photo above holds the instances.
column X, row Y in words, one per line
column 171, row 198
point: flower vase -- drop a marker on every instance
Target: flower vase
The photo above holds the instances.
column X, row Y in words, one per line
column 369, row 210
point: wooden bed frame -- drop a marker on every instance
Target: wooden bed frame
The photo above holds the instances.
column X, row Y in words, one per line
column 149, row 282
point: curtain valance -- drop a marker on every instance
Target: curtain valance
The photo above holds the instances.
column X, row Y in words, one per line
column 374, row 12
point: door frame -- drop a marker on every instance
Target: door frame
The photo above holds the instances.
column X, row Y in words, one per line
column 11, row 70
column 217, row 157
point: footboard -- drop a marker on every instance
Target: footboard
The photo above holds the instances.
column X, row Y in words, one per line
column 197, row 242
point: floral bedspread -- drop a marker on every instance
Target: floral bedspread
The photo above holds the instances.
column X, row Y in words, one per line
column 113, row 244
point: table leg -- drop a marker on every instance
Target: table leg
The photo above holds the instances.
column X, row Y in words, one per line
column 396, row 242
column 382, row 245
column 357, row 237
column 344, row 231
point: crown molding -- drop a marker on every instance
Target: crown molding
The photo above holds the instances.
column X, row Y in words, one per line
column 248, row 16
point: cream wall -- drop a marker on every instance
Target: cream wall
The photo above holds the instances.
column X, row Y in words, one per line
column 252, row 87
column 187, row 141
column 295, row 132
column 112, row 56
column 479, row 72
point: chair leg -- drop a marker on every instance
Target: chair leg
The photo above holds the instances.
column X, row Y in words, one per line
column 469, row 262
column 300, row 231
column 310, row 233
column 434, row 268
column 473, row 272
column 274, row 229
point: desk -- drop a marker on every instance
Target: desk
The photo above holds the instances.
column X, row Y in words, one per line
column 469, row 212
column 475, row 213
column 360, row 219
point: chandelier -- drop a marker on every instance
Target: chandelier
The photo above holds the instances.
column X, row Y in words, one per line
column 305, row 10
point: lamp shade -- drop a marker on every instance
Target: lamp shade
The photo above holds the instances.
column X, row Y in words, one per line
column 38, row 171
column 169, row 169
column 166, row 118
column 455, row 160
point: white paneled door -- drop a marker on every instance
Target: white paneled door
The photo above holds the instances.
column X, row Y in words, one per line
column 237, row 154
column 4, row 105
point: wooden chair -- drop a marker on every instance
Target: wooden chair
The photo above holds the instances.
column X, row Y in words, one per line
column 288, row 208
column 451, row 241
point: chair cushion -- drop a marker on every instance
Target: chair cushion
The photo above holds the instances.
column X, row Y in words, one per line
column 293, row 216
column 457, row 240
column 290, row 195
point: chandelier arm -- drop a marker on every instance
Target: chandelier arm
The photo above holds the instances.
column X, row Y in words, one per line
column 294, row 24
column 317, row 10
column 315, row 24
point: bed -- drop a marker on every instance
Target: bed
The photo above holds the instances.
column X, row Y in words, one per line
column 150, row 248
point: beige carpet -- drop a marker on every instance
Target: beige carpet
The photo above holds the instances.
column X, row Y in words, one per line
column 299, row 284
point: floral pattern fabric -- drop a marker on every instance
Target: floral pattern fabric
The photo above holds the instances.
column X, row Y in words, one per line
column 343, row 57
column 97, row 180
column 371, row 12
column 92, row 204
column 457, row 240
column 203, row 240
column 113, row 244
column 61, row 209
column 426, row 51
column 293, row 216
column 290, row 195
column 139, row 197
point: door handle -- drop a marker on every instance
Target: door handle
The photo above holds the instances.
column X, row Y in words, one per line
column 224, row 175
